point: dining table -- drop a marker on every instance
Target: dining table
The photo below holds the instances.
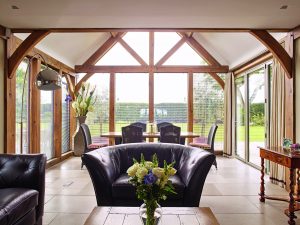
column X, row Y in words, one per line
column 150, row 135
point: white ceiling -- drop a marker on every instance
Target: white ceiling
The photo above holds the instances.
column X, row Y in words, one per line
column 74, row 48
column 149, row 14
column 229, row 49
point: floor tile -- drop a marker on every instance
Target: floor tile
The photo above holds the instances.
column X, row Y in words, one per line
column 71, row 204
column 69, row 219
column 231, row 192
column 228, row 204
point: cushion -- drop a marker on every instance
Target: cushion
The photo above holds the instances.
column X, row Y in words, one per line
column 96, row 145
column 15, row 203
column 122, row 189
column 200, row 145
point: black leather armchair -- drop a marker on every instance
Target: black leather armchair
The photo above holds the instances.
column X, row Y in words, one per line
column 107, row 168
column 22, row 189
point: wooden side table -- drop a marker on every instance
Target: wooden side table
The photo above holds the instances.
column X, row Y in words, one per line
column 291, row 160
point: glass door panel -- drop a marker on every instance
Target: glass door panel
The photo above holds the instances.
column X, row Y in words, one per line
column 256, row 101
column 240, row 123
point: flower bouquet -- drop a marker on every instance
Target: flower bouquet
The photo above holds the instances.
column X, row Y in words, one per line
column 84, row 100
column 152, row 185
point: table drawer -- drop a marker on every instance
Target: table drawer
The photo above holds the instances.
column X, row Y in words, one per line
column 277, row 158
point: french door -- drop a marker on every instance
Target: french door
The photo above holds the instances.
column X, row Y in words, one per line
column 252, row 113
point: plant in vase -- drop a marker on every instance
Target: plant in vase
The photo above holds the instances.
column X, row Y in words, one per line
column 152, row 185
column 82, row 104
column 84, row 100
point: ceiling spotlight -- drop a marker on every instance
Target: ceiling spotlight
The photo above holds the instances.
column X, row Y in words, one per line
column 284, row 7
column 15, row 7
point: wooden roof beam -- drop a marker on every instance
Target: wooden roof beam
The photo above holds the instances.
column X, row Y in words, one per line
column 132, row 52
column 155, row 69
column 202, row 52
column 151, row 48
column 84, row 79
column 103, row 49
column 128, row 29
column 171, row 51
column 277, row 50
column 27, row 45
column 3, row 32
column 71, row 85
column 218, row 79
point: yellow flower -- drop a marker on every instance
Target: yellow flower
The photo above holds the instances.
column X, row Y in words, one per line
column 159, row 172
column 172, row 171
column 164, row 180
column 148, row 165
column 132, row 170
column 141, row 172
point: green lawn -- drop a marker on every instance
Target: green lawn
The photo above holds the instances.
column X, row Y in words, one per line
column 256, row 133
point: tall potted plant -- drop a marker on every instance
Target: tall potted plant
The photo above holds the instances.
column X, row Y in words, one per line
column 83, row 103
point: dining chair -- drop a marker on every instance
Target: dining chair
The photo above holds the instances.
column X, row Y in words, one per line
column 162, row 124
column 170, row 134
column 132, row 134
column 140, row 124
column 87, row 139
column 209, row 145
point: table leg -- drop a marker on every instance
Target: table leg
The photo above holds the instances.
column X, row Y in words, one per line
column 262, row 181
column 292, row 200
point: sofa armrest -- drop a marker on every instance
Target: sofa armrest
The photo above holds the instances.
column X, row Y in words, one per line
column 104, row 170
column 24, row 171
column 193, row 169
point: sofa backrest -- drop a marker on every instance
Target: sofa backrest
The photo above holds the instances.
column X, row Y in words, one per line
column 169, row 152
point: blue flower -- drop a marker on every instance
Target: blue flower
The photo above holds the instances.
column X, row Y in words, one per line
column 68, row 98
column 150, row 178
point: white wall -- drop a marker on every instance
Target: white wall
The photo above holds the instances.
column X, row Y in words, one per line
column 297, row 87
column 2, row 54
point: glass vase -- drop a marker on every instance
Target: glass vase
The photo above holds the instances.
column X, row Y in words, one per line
column 150, row 213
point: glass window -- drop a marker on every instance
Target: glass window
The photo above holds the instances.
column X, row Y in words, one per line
column 185, row 55
column 240, row 117
column 139, row 42
column 117, row 55
column 256, row 101
column 163, row 42
column 65, row 134
column 22, row 112
column 132, row 91
column 98, row 121
column 46, row 123
column 170, row 99
column 208, row 106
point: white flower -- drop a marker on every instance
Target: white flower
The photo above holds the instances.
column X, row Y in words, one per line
column 132, row 170
column 83, row 105
column 159, row 172
column 91, row 108
column 141, row 172
column 148, row 165
column 75, row 105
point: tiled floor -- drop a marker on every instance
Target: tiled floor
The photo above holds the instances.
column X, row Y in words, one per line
column 231, row 193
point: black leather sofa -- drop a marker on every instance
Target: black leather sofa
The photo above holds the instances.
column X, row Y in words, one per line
column 107, row 168
column 22, row 189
